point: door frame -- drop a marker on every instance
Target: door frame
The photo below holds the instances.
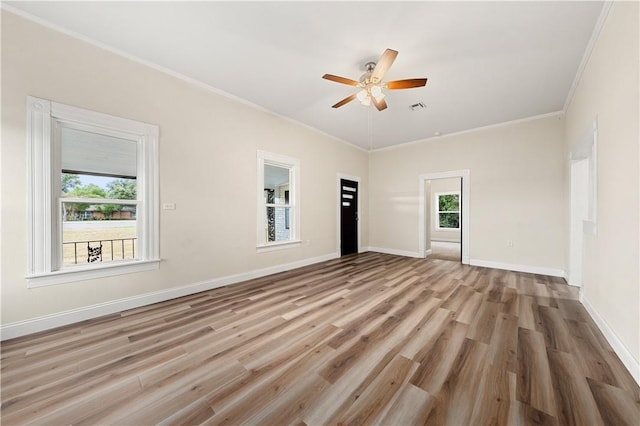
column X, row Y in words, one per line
column 464, row 175
column 583, row 200
column 340, row 176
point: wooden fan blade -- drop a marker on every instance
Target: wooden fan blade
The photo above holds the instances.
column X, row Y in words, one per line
column 406, row 84
column 339, row 79
column 381, row 104
column 345, row 101
column 383, row 65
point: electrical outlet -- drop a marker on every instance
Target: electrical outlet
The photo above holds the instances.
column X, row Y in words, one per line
column 509, row 243
column 168, row 206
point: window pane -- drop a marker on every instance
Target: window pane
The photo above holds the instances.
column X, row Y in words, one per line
column 449, row 220
column 276, row 179
column 277, row 228
column 98, row 233
column 89, row 186
column 449, row 203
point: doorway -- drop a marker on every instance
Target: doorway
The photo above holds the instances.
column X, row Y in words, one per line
column 443, row 211
column 348, row 216
column 579, row 213
column 426, row 209
column 584, row 196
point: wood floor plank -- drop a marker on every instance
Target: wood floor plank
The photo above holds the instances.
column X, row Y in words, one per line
column 574, row 400
column 412, row 407
column 270, row 391
column 528, row 316
column 509, row 302
column 493, row 400
column 421, row 344
column 482, row 327
column 555, row 330
column 615, row 405
column 455, row 401
column 436, row 363
column 534, row 385
column 521, row 414
column 364, row 339
column 593, row 358
column 367, row 408
column 503, row 347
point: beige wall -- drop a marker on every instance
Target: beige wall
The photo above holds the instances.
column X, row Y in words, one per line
column 205, row 140
column 516, row 191
column 609, row 90
column 442, row 185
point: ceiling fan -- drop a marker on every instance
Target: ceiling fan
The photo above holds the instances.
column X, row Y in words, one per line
column 371, row 85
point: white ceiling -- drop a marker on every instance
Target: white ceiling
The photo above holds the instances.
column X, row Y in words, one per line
column 486, row 62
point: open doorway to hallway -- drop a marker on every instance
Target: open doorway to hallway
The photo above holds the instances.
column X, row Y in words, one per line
column 444, row 229
column 426, row 209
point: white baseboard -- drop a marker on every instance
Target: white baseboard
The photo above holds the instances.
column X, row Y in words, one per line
column 632, row 364
column 519, row 268
column 396, row 252
column 47, row 322
column 428, row 252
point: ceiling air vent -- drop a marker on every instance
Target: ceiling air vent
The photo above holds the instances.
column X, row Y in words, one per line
column 418, row 106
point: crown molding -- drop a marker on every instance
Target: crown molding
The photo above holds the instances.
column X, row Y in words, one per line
column 167, row 71
column 587, row 52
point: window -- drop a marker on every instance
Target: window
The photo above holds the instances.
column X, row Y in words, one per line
column 93, row 194
column 278, row 217
column 447, row 211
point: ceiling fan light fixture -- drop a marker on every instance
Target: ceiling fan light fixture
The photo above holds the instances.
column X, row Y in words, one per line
column 376, row 92
column 371, row 85
column 362, row 95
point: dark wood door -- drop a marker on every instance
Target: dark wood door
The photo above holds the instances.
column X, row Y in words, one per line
column 348, row 217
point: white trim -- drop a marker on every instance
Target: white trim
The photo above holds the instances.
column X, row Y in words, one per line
column 338, row 205
column 604, row 12
column 278, row 245
column 632, row 364
column 47, row 322
column 428, row 252
column 465, row 175
column 83, row 273
column 39, row 221
column 44, row 119
column 540, row 270
column 583, row 207
column 395, row 252
column 293, row 165
column 97, row 200
column 472, row 130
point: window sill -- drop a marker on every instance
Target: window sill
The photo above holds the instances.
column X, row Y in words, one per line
column 281, row 245
column 90, row 272
column 447, row 229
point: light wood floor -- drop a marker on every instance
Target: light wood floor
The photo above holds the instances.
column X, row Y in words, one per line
column 445, row 251
column 368, row 339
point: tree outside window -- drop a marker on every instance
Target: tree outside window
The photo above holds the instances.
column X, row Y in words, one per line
column 447, row 210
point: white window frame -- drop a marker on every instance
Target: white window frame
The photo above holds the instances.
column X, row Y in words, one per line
column 437, row 210
column 293, row 164
column 44, row 266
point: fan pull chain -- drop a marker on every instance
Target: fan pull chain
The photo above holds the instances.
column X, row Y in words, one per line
column 369, row 128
